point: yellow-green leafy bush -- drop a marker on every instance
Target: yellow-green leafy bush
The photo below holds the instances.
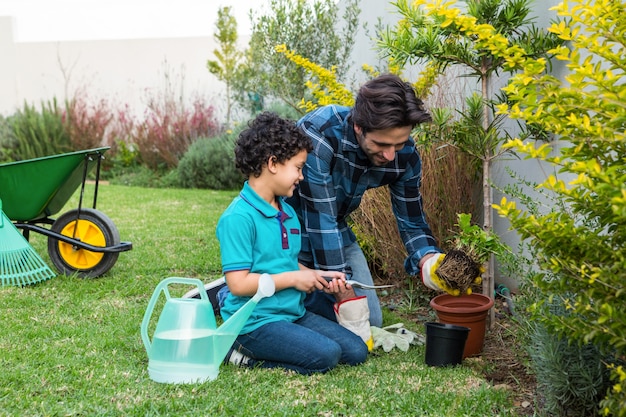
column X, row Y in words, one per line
column 582, row 246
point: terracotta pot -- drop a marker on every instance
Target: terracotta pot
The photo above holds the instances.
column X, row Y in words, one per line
column 465, row 310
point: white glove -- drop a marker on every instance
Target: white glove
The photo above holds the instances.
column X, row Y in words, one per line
column 434, row 282
column 354, row 315
column 395, row 336
column 412, row 337
column 429, row 276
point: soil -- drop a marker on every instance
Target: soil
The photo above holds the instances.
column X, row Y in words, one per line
column 502, row 361
column 506, row 364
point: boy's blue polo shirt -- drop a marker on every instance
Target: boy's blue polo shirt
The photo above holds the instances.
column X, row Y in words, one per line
column 255, row 236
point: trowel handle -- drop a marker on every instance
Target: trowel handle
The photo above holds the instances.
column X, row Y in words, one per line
column 162, row 286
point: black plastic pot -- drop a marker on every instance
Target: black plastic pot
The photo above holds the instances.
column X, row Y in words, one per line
column 445, row 344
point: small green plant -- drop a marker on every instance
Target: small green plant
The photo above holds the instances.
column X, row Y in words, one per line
column 472, row 246
column 227, row 58
column 210, row 163
column 39, row 132
column 478, row 243
column 571, row 377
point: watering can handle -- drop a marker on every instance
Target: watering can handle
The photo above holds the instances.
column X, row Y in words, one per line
column 162, row 286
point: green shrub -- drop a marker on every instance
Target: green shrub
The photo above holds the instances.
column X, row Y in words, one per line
column 38, row 133
column 210, row 163
column 580, row 247
column 8, row 142
column 142, row 176
column 572, row 378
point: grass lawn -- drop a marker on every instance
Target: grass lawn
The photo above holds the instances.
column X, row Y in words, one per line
column 72, row 347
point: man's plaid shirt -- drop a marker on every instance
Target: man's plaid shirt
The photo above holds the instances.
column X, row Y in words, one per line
column 337, row 174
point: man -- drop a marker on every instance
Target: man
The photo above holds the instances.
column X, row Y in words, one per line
column 355, row 149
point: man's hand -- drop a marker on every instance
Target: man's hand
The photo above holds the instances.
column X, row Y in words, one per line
column 455, row 283
column 430, row 277
column 425, row 258
column 341, row 289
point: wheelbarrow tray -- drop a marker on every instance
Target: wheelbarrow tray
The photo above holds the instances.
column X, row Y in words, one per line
column 38, row 188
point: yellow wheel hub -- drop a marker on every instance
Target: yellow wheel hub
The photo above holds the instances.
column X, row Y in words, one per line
column 87, row 232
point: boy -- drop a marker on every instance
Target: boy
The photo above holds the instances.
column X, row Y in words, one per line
column 259, row 233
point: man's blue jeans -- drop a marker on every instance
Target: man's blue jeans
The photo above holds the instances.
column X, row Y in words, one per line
column 310, row 344
column 321, row 303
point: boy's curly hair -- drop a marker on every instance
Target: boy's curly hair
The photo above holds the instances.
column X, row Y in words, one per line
column 268, row 135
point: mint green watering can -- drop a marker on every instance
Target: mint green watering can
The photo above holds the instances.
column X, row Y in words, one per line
column 187, row 346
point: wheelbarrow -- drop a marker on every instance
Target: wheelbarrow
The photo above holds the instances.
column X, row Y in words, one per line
column 83, row 240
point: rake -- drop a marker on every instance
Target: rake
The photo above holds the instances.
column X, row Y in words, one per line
column 19, row 263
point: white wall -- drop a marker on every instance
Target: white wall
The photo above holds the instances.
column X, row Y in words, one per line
column 8, row 69
column 123, row 71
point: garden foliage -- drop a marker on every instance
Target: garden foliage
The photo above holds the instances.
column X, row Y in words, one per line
column 154, row 142
column 581, row 247
column 439, row 35
column 85, row 122
column 227, row 57
column 33, row 133
column 571, row 378
column 169, row 127
column 314, row 30
column 210, row 163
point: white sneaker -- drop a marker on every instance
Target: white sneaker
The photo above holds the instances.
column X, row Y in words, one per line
column 236, row 358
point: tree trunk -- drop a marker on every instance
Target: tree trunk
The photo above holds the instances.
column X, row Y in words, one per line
column 488, row 281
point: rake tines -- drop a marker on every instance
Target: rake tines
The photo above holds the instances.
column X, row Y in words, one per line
column 19, row 263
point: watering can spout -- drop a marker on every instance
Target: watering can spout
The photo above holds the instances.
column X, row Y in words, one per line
column 230, row 329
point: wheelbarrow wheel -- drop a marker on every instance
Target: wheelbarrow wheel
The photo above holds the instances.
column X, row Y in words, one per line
column 93, row 228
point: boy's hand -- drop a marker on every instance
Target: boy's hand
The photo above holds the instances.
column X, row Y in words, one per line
column 308, row 280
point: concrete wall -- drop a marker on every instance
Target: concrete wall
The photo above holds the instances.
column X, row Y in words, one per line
column 8, row 69
column 123, row 71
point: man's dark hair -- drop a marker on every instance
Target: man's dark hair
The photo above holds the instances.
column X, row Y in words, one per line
column 387, row 102
column 268, row 135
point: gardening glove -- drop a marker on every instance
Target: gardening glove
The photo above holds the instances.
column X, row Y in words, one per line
column 395, row 336
column 412, row 337
column 354, row 315
column 434, row 282
column 430, row 277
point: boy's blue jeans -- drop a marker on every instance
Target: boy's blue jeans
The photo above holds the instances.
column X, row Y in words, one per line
column 309, row 345
column 321, row 303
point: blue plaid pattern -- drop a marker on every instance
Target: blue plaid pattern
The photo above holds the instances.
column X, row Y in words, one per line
column 337, row 174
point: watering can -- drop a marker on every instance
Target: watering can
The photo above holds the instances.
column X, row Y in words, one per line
column 187, row 346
